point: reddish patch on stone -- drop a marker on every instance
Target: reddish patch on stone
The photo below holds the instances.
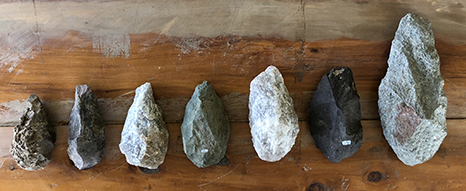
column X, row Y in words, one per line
column 3, row 109
column 406, row 123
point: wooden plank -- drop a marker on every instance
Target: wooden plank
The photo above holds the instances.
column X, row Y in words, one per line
column 291, row 19
column 304, row 166
column 229, row 63
column 49, row 47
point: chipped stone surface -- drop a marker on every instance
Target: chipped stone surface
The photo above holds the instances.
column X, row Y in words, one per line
column 144, row 139
column 86, row 131
column 205, row 127
column 335, row 115
column 412, row 103
column 273, row 120
column 34, row 137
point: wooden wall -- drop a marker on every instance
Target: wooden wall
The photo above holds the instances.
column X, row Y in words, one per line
column 49, row 47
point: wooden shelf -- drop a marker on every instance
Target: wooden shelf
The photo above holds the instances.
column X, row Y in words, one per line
column 49, row 47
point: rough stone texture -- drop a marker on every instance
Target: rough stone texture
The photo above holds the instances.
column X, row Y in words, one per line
column 34, row 138
column 412, row 103
column 273, row 120
column 205, row 127
column 86, row 132
column 335, row 115
column 144, row 139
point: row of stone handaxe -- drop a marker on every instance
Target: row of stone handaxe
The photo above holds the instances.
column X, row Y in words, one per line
column 144, row 139
column 412, row 108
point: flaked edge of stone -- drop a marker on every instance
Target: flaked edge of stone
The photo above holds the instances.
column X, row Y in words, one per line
column 35, row 105
column 141, row 92
column 269, row 71
column 278, row 78
column 199, row 92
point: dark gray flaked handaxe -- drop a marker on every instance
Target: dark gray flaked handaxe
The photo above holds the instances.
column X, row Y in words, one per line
column 86, row 132
column 335, row 115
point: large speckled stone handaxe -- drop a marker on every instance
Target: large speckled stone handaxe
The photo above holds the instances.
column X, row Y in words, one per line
column 86, row 132
column 412, row 103
column 34, row 137
column 144, row 139
column 273, row 120
column 335, row 115
column 205, row 127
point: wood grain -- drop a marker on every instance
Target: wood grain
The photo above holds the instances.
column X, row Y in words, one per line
column 307, row 20
column 48, row 47
column 303, row 166
column 175, row 66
